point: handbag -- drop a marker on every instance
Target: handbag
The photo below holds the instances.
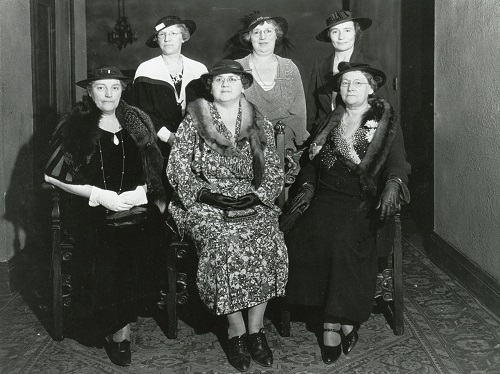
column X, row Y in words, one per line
column 133, row 216
column 239, row 215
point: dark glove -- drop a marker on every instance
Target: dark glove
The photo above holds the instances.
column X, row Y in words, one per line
column 303, row 198
column 247, row 201
column 389, row 203
column 215, row 199
column 286, row 221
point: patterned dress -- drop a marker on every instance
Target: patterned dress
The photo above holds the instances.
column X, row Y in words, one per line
column 242, row 262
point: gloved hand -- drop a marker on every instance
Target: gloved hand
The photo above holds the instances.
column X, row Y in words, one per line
column 389, row 202
column 108, row 199
column 303, row 198
column 286, row 221
column 215, row 199
column 247, row 201
column 135, row 197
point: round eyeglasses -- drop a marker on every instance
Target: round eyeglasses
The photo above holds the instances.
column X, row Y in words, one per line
column 257, row 33
column 167, row 35
column 220, row 80
column 355, row 84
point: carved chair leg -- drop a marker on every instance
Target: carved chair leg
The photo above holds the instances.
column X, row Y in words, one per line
column 57, row 302
column 398, row 279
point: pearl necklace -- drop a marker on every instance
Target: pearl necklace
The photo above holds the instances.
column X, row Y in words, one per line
column 261, row 81
column 102, row 163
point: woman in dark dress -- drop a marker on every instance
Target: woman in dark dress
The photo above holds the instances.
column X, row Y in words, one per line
column 104, row 154
column 354, row 177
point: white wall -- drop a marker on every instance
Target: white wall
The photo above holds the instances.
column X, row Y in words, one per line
column 16, row 108
column 467, row 129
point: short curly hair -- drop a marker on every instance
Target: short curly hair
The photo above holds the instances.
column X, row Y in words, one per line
column 184, row 32
column 277, row 28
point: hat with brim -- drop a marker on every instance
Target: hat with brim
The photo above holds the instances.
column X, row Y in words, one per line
column 103, row 72
column 256, row 19
column 345, row 67
column 339, row 17
column 227, row 67
column 168, row 21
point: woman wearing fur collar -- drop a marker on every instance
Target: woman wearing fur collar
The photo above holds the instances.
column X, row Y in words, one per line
column 226, row 175
column 104, row 154
column 355, row 177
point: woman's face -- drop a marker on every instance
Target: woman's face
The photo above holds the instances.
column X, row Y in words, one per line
column 263, row 38
column 226, row 88
column 355, row 96
column 106, row 94
column 343, row 36
column 170, row 40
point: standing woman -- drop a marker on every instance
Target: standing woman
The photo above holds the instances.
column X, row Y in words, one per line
column 343, row 30
column 161, row 85
column 354, row 178
column 277, row 93
column 226, row 175
column 105, row 156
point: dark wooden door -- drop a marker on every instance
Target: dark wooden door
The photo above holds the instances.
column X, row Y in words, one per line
column 383, row 40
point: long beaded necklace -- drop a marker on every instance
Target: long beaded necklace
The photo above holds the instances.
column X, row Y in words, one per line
column 265, row 86
column 123, row 163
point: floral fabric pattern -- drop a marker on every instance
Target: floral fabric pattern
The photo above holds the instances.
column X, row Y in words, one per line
column 242, row 262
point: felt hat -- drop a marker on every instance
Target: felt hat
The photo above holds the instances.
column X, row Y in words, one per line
column 255, row 19
column 339, row 17
column 168, row 21
column 227, row 67
column 345, row 67
column 103, row 72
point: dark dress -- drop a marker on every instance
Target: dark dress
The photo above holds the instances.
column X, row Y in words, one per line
column 332, row 246
column 116, row 271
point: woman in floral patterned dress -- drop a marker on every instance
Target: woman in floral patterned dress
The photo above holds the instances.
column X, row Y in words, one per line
column 354, row 178
column 226, row 175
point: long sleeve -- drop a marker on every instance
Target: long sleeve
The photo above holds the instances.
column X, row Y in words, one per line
column 297, row 120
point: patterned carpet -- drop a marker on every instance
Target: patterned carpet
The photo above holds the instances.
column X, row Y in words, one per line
column 446, row 331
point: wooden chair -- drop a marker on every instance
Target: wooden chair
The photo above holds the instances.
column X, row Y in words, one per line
column 174, row 292
column 389, row 294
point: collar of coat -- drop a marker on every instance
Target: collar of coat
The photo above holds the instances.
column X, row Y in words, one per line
column 252, row 131
column 79, row 131
column 376, row 155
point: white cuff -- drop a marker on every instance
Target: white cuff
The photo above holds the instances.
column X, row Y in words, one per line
column 164, row 134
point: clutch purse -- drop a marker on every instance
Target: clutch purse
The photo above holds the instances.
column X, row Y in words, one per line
column 239, row 215
column 133, row 216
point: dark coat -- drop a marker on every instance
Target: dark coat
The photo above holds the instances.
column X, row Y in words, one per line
column 76, row 140
column 319, row 93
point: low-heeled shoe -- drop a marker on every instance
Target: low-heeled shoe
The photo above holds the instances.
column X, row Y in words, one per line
column 237, row 352
column 118, row 352
column 331, row 354
column 259, row 349
column 349, row 340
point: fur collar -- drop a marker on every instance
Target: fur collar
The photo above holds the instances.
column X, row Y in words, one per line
column 251, row 131
column 80, row 133
column 371, row 164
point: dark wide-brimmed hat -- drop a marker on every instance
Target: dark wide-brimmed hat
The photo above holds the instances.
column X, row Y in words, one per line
column 165, row 22
column 227, row 67
column 255, row 19
column 345, row 67
column 339, row 17
column 103, row 72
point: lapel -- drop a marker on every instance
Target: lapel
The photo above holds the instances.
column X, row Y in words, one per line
column 325, row 74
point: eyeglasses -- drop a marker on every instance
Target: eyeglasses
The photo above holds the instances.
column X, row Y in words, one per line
column 356, row 84
column 232, row 79
column 165, row 35
column 257, row 33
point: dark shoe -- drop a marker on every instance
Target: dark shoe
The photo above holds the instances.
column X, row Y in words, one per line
column 331, row 354
column 349, row 340
column 259, row 349
column 237, row 352
column 118, row 353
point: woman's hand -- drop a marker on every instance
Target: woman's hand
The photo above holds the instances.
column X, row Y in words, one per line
column 215, row 199
column 135, row 197
column 247, row 201
column 389, row 203
column 108, row 199
column 303, row 198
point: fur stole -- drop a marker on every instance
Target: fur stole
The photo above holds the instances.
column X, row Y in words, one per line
column 373, row 161
column 251, row 130
column 79, row 132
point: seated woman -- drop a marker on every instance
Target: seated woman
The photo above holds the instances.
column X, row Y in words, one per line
column 105, row 153
column 226, row 175
column 354, row 177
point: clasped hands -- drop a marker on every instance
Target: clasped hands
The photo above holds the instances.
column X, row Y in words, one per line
column 117, row 203
column 225, row 202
